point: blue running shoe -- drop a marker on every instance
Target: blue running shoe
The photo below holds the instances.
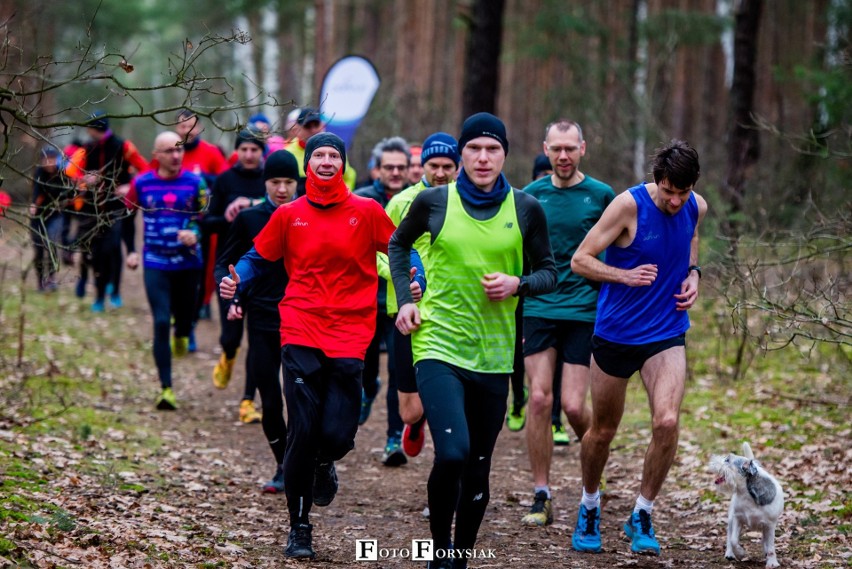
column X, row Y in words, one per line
column 367, row 404
column 98, row 306
column 193, row 347
column 587, row 533
column 642, row 539
column 115, row 300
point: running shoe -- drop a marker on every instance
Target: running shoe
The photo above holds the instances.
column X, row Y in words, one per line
column 394, row 456
column 248, row 413
column 641, row 533
column 223, row 370
column 517, row 417
column 180, row 346
column 98, row 306
column 367, row 403
column 541, row 513
column 325, row 483
column 413, row 437
column 560, row 435
column 276, row 485
column 167, row 400
column 192, row 347
column 115, row 300
column 587, row 533
column 299, row 542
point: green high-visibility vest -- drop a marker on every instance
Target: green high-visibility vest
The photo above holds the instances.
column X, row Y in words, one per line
column 460, row 325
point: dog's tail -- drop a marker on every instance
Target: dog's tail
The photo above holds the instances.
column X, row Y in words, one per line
column 747, row 451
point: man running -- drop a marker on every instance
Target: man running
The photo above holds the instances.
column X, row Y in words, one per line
column 558, row 325
column 650, row 280
column 171, row 200
column 464, row 341
column 328, row 242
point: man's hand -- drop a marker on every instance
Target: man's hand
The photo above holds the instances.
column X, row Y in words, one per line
column 414, row 287
column 408, row 319
column 187, row 237
column 122, row 190
column 228, row 286
column 236, row 207
column 643, row 275
column 499, row 286
column 688, row 292
column 132, row 261
column 235, row 312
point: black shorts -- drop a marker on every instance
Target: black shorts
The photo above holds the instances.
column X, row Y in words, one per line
column 623, row 360
column 571, row 339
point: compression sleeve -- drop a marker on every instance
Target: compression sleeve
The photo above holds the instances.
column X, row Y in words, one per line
column 533, row 221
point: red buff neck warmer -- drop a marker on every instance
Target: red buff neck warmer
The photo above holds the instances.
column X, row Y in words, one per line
column 325, row 191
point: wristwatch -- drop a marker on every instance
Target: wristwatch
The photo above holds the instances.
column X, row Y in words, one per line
column 695, row 268
column 523, row 287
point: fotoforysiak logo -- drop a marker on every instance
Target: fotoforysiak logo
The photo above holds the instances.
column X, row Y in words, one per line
column 420, row 550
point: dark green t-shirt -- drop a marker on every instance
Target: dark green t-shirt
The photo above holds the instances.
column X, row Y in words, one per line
column 571, row 213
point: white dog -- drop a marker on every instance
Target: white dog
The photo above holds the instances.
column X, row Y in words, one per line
column 756, row 502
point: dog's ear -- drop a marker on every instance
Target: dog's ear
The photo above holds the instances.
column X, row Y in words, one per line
column 750, row 468
column 747, row 451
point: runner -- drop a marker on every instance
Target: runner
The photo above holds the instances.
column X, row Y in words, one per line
column 480, row 229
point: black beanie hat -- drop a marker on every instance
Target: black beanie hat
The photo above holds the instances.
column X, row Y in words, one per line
column 281, row 164
column 251, row 137
column 541, row 164
column 483, row 124
column 324, row 139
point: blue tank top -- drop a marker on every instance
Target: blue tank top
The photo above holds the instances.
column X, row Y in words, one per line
column 641, row 315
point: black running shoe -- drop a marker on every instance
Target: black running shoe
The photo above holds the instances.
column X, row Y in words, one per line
column 325, row 483
column 299, row 542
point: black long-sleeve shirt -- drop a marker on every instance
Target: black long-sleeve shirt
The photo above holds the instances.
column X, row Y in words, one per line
column 427, row 214
column 260, row 299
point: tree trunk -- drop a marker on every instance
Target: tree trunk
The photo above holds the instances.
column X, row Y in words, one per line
column 743, row 141
column 483, row 57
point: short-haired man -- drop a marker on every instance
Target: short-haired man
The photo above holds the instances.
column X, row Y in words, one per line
column 171, row 200
column 415, row 166
column 650, row 280
column 308, row 123
column 481, row 230
column 391, row 156
column 328, row 242
column 440, row 155
column 558, row 326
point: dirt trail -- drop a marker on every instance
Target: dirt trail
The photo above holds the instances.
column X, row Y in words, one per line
column 211, row 510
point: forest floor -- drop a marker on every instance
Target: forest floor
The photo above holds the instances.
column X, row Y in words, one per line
column 93, row 476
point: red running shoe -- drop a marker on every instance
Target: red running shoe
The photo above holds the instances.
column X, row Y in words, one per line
column 412, row 442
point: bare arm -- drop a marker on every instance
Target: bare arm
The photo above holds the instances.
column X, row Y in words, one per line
column 616, row 226
column 689, row 287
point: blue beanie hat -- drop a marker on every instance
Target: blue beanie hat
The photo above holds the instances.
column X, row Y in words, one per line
column 98, row 121
column 324, row 139
column 259, row 117
column 484, row 124
column 440, row 145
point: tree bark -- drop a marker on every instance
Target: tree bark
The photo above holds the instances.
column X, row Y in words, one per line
column 483, row 57
column 743, row 140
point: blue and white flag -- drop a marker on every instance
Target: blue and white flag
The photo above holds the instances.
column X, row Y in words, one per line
column 347, row 91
